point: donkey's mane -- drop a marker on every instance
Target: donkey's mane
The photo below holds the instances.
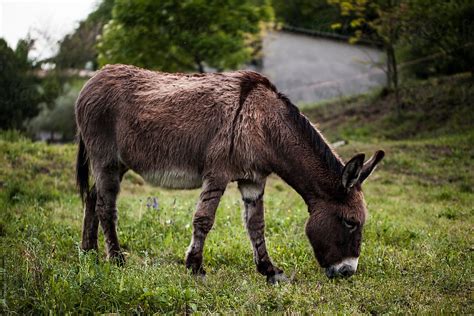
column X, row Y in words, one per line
column 250, row 79
column 317, row 141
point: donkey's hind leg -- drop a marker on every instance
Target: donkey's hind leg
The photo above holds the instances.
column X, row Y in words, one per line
column 108, row 180
column 91, row 222
column 252, row 194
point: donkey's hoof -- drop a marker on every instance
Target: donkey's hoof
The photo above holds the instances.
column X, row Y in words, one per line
column 196, row 270
column 118, row 258
column 194, row 264
column 277, row 278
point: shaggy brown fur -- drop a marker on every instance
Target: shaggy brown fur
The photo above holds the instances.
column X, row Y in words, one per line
column 187, row 131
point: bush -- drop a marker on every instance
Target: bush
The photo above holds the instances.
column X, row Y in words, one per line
column 309, row 14
column 19, row 90
column 59, row 119
column 171, row 35
column 439, row 37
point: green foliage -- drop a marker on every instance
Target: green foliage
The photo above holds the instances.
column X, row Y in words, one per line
column 60, row 117
column 416, row 256
column 12, row 135
column 103, row 12
column 382, row 20
column 51, row 86
column 309, row 14
column 172, row 35
column 79, row 48
column 434, row 107
column 379, row 20
column 439, row 38
column 432, row 37
column 19, row 91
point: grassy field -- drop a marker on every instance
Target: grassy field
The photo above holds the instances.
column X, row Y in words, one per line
column 417, row 254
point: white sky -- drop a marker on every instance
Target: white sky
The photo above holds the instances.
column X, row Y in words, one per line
column 45, row 20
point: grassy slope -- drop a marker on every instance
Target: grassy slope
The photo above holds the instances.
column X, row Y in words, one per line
column 417, row 253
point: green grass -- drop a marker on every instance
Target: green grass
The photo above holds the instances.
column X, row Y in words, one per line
column 432, row 108
column 417, row 253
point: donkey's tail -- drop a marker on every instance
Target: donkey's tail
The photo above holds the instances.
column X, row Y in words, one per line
column 82, row 170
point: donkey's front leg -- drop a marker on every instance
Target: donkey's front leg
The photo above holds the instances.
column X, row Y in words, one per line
column 252, row 195
column 202, row 223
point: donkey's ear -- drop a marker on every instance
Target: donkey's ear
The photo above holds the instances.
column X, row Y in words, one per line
column 352, row 171
column 370, row 165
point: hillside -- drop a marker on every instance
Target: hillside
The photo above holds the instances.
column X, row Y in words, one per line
column 431, row 108
column 417, row 254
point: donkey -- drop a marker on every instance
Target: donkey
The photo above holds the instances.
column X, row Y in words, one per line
column 186, row 131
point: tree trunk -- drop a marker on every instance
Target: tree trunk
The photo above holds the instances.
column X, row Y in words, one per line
column 199, row 65
column 392, row 75
column 395, row 83
column 389, row 67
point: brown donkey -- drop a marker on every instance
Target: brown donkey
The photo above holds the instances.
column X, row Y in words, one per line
column 187, row 131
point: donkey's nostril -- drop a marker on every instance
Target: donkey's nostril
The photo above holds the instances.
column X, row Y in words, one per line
column 346, row 270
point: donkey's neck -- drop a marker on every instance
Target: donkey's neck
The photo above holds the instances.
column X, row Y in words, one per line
column 306, row 161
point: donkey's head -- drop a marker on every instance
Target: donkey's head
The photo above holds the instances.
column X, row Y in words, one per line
column 334, row 227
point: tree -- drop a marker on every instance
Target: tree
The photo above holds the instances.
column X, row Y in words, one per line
column 79, row 48
column 176, row 35
column 439, row 38
column 309, row 14
column 383, row 20
column 59, row 118
column 19, row 90
column 431, row 37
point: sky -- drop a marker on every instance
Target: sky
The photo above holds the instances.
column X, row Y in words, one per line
column 45, row 20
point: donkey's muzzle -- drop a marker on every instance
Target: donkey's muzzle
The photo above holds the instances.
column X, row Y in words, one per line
column 345, row 268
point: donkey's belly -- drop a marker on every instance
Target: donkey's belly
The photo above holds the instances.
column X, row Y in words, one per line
column 174, row 178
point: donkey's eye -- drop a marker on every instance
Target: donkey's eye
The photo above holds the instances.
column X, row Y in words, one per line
column 350, row 225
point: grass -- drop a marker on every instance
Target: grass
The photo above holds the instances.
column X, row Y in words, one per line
column 436, row 107
column 417, row 254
